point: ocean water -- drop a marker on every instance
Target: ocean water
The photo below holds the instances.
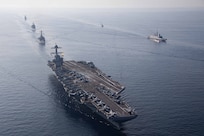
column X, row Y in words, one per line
column 164, row 81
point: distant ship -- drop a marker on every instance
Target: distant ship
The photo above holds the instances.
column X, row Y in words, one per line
column 33, row 27
column 157, row 37
column 25, row 18
column 41, row 39
column 91, row 92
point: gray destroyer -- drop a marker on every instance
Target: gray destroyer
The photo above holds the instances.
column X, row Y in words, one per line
column 41, row 39
column 91, row 92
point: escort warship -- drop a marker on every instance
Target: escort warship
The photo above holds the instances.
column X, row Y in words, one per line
column 41, row 39
column 33, row 27
column 91, row 92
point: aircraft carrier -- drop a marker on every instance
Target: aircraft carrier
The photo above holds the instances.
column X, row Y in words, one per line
column 91, row 92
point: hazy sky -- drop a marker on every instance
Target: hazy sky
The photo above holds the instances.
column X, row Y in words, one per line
column 103, row 3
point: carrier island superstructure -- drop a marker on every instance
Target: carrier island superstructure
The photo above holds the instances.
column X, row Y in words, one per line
column 91, row 92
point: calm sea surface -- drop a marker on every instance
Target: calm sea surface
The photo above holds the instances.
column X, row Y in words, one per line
column 164, row 82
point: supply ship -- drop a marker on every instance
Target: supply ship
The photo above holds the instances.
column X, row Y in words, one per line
column 91, row 92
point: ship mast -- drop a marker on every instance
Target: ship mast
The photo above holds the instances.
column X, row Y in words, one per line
column 56, row 47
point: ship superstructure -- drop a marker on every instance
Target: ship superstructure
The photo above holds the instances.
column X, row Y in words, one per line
column 91, row 92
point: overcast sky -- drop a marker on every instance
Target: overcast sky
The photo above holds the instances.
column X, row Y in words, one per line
column 104, row 3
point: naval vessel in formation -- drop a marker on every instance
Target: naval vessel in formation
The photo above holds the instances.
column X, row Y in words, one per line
column 41, row 39
column 33, row 27
column 91, row 92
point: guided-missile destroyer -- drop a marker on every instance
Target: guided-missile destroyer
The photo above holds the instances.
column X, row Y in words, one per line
column 91, row 92
column 33, row 27
column 41, row 39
